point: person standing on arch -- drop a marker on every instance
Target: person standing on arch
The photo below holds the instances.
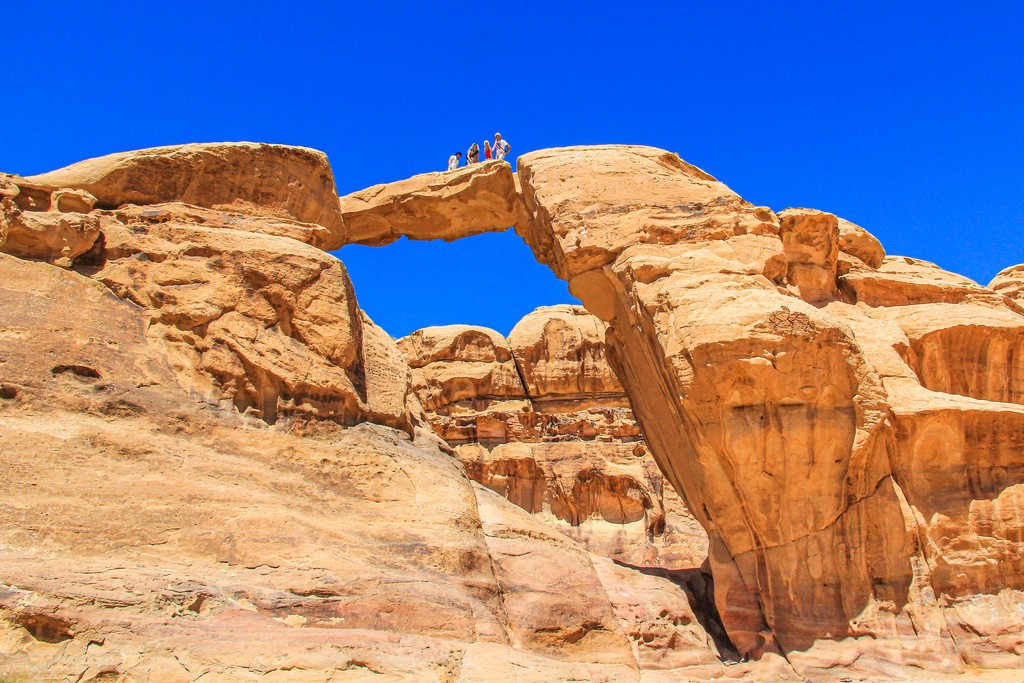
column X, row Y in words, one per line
column 453, row 161
column 487, row 150
column 473, row 155
column 501, row 147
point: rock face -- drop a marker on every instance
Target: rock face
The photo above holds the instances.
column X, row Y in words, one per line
column 287, row 183
column 755, row 382
column 541, row 419
column 54, row 227
column 1010, row 283
column 473, row 199
column 215, row 466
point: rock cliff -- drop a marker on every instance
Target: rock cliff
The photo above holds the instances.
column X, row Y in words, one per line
column 216, row 466
column 541, row 419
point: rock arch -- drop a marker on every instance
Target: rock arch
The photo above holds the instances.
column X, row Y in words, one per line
column 768, row 357
column 767, row 360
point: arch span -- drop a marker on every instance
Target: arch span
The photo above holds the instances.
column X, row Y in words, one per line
column 765, row 394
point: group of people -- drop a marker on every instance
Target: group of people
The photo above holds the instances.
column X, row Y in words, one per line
column 496, row 151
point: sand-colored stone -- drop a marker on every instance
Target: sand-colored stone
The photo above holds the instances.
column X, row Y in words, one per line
column 151, row 535
column 903, row 281
column 261, row 322
column 56, row 231
column 959, row 463
column 564, row 446
column 541, row 574
column 1010, row 282
column 470, row 380
column 560, row 352
column 749, row 399
column 966, row 349
column 215, row 466
column 609, row 497
column 473, row 199
column 458, row 368
column 293, row 183
column 811, row 242
column 858, row 242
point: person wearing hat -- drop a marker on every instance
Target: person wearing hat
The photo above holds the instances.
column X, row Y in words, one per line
column 453, row 161
column 501, row 147
column 487, row 150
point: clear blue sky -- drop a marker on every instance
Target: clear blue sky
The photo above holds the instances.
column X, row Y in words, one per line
column 903, row 117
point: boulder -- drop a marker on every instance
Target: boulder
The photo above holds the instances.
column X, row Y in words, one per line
column 858, row 242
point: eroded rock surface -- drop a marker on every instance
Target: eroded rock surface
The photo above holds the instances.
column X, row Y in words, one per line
column 216, row 466
column 473, row 199
column 541, row 419
column 279, row 181
column 750, row 399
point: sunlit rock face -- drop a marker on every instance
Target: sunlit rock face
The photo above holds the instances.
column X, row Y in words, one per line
column 541, row 419
column 175, row 351
column 228, row 461
column 473, row 199
column 740, row 339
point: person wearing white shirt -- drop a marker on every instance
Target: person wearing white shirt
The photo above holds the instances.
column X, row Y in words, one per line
column 501, row 147
column 453, row 161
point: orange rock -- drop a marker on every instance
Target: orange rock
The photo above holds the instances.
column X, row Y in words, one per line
column 1010, row 282
column 266, row 180
column 474, row 199
column 748, row 398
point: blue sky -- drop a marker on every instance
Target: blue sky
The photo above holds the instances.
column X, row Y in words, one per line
column 902, row 117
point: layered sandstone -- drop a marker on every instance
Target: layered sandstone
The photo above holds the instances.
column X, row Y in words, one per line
column 541, row 419
column 470, row 200
column 251, row 178
column 1010, row 282
column 752, row 390
column 216, row 466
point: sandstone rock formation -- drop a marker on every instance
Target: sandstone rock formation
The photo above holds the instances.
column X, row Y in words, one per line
column 473, row 199
column 216, row 466
column 749, row 398
column 1010, row 282
column 541, row 419
column 292, row 188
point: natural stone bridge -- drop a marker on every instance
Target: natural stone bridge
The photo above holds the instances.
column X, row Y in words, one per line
column 846, row 426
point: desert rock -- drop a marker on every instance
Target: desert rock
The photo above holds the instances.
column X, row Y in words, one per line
column 856, row 241
column 748, row 398
column 474, row 199
column 277, row 181
column 216, row 466
column 152, row 532
column 1009, row 282
column 541, row 419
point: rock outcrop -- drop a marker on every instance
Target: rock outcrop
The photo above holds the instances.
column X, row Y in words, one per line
column 216, row 466
column 1010, row 283
column 541, row 419
column 473, row 199
column 731, row 330
column 251, row 178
